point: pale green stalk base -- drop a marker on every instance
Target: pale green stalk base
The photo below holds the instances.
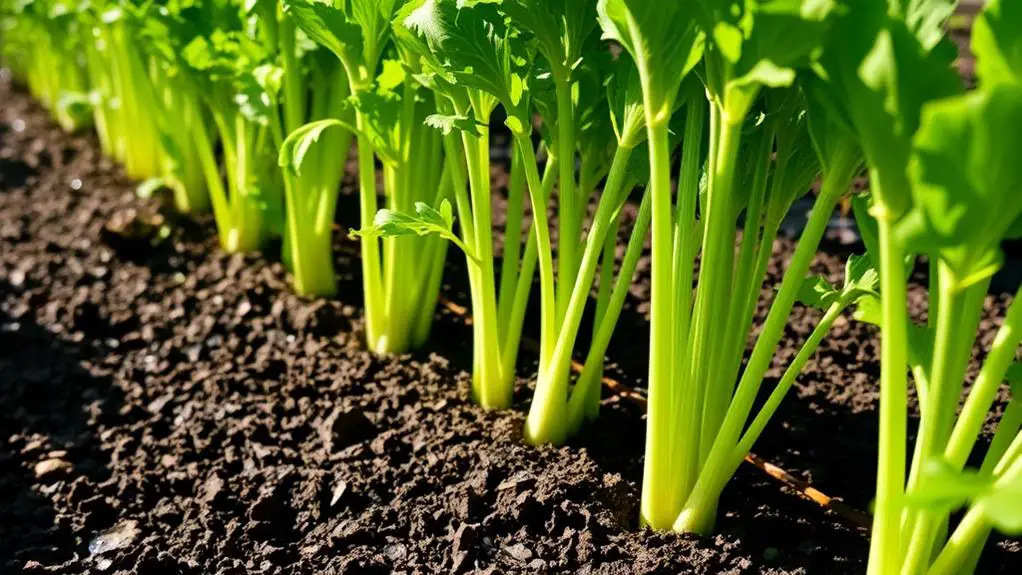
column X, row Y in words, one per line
column 699, row 512
column 586, row 394
column 886, row 551
column 372, row 282
column 547, row 421
column 492, row 387
column 662, row 489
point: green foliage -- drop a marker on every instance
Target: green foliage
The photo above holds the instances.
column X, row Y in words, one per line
column 1003, row 508
column 861, row 281
column 663, row 40
column 966, row 180
column 472, row 47
column 297, row 145
column 759, row 44
column 875, row 75
column 949, row 488
column 627, row 112
column 329, row 27
column 425, row 221
column 997, row 42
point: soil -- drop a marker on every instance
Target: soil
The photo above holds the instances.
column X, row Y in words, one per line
column 169, row 408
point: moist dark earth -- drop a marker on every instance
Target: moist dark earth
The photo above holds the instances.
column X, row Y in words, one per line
column 168, row 408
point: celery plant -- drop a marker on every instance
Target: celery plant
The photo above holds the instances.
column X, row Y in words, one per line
column 751, row 53
column 400, row 284
column 235, row 72
column 879, row 68
column 664, row 42
column 563, row 83
column 557, row 409
column 955, row 202
column 314, row 87
column 458, row 38
column 86, row 65
column 958, row 143
column 472, row 62
column 177, row 109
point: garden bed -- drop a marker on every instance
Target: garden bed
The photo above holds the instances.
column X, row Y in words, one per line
column 168, row 408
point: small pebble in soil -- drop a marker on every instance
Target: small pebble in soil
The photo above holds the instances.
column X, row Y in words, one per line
column 338, row 492
column 117, row 537
column 51, row 467
column 395, row 552
column 76, row 184
column 16, row 277
column 18, row 124
column 519, row 552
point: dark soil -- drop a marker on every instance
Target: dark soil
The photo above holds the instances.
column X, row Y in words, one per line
column 168, row 408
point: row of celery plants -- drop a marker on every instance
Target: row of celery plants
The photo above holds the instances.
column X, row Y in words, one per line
column 723, row 113
column 201, row 98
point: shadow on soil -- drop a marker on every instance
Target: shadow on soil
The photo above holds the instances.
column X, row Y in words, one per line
column 50, row 403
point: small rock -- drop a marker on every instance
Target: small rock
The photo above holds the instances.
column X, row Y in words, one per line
column 339, row 490
column 346, row 529
column 16, row 278
column 117, row 537
column 34, row 445
column 211, row 488
column 478, row 480
column 387, row 442
column 310, row 551
column 157, row 405
column 519, row 552
column 261, row 451
column 51, row 467
column 395, row 552
column 166, row 511
column 520, row 482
